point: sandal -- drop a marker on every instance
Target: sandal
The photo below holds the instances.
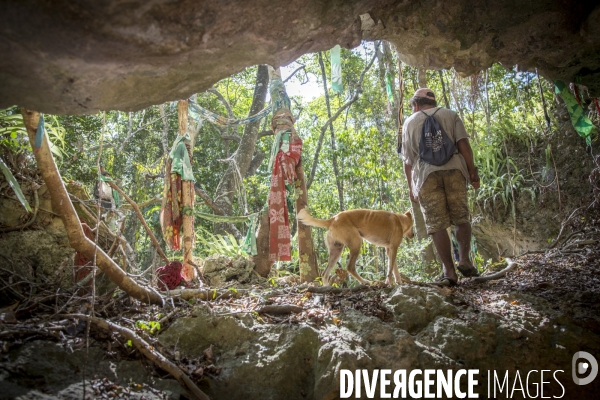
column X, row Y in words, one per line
column 467, row 271
column 445, row 281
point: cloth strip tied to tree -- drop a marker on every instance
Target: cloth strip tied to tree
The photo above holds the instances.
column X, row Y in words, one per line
column 283, row 172
column 178, row 168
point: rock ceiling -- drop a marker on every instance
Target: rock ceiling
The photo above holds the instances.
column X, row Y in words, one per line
column 76, row 56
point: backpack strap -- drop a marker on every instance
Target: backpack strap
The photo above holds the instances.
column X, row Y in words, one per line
column 427, row 115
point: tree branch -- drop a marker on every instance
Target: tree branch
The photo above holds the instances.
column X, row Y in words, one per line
column 142, row 220
column 62, row 203
column 148, row 351
column 216, row 209
column 294, row 73
column 110, row 145
column 237, row 138
column 333, row 118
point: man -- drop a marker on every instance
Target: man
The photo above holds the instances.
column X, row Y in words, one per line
column 108, row 199
column 441, row 190
column 103, row 192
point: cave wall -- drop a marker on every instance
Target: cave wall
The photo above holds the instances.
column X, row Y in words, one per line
column 77, row 57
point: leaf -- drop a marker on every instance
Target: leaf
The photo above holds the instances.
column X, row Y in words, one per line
column 15, row 185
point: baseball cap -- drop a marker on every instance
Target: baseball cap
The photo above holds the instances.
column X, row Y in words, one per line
column 424, row 93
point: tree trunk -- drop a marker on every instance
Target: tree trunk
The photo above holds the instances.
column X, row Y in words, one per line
column 61, row 203
column 164, row 138
column 422, row 77
column 239, row 165
column 262, row 265
column 446, row 101
column 306, row 250
column 336, row 172
column 187, row 199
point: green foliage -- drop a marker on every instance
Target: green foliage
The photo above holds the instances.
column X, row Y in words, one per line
column 14, row 185
column 410, row 259
column 151, row 327
column 211, row 244
column 501, row 109
column 13, row 135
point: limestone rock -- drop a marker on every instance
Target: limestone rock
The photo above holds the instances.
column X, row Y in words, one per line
column 80, row 57
column 219, row 269
column 304, row 361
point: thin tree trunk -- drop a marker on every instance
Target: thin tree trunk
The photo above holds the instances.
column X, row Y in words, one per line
column 333, row 118
column 142, row 221
column 61, row 203
column 240, row 163
column 306, row 250
column 262, row 265
column 400, row 103
column 187, row 199
column 336, row 172
column 422, row 77
column 164, row 138
column 446, row 102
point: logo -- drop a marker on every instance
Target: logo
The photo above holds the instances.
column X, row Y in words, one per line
column 584, row 367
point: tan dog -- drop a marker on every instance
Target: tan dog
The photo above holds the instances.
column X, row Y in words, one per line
column 349, row 228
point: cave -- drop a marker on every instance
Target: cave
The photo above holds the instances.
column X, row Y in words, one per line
column 75, row 58
column 70, row 57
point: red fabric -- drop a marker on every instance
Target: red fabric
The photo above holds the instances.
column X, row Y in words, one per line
column 284, row 171
column 597, row 106
column 169, row 276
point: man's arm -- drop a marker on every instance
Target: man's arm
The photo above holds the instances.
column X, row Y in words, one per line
column 464, row 148
column 408, row 174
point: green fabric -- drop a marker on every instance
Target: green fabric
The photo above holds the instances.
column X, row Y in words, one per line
column 251, row 221
column 388, row 87
column 279, row 98
column 282, row 138
column 181, row 159
column 222, row 218
column 580, row 121
column 336, row 69
column 115, row 194
column 249, row 245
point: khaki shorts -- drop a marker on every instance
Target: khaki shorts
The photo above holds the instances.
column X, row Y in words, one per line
column 443, row 200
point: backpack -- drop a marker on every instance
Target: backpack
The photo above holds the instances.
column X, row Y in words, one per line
column 435, row 147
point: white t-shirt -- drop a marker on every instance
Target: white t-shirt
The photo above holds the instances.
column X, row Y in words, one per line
column 411, row 135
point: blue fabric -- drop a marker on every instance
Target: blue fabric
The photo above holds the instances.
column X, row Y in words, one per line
column 39, row 134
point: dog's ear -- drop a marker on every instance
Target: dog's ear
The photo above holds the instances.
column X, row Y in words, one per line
column 408, row 213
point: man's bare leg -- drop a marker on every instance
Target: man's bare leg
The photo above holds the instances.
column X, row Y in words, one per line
column 463, row 236
column 443, row 247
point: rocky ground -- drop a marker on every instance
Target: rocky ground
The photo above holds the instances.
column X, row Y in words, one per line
column 280, row 339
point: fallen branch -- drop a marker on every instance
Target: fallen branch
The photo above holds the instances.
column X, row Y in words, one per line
column 497, row 275
column 148, row 351
column 563, row 226
column 206, row 294
column 161, row 253
column 62, row 203
column 332, row 289
column 278, row 309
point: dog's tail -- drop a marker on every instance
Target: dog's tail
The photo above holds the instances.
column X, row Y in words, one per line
column 306, row 219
